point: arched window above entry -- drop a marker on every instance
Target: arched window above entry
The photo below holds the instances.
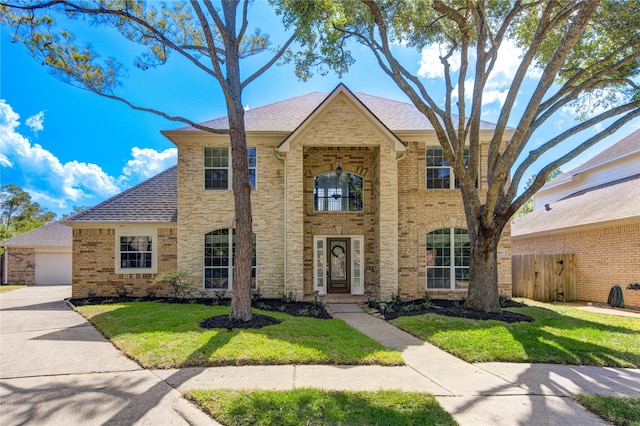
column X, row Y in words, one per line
column 338, row 192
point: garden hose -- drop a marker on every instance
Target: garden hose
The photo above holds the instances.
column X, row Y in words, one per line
column 615, row 297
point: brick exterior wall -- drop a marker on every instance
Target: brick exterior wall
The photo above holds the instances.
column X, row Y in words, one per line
column 201, row 211
column 605, row 257
column 422, row 210
column 94, row 251
column 21, row 265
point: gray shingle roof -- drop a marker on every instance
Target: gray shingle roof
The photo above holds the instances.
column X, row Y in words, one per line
column 288, row 114
column 154, row 200
column 617, row 200
column 53, row 234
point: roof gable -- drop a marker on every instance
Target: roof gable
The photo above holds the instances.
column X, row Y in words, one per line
column 364, row 114
column 154, row 200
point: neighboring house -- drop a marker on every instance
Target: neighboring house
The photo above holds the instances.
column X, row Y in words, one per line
column 40, row 256
column 351, row 194
column 592, row 211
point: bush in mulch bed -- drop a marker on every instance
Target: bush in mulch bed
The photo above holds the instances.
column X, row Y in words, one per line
column 452, row 308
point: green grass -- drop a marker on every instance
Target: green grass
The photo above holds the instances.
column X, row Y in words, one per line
column 622, row 411
column 559, row 335
column 318, row 407
column 6, row 287
column 163, row 335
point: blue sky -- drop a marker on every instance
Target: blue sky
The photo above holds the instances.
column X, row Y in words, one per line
column 69, row 147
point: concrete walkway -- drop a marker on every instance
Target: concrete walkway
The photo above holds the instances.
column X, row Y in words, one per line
column 55, row 368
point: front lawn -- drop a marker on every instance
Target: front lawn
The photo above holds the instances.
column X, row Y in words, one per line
column 167, row 335
column 558, row 335
column 622, row 411
column 319, row 407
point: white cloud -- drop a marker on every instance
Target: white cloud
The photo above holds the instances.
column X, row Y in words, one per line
column 430, row 65
column 148, row 162
column 58, row 185
column 35, row 122
column 499, row 81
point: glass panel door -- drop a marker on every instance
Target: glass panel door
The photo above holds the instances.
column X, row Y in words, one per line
column 338, row 265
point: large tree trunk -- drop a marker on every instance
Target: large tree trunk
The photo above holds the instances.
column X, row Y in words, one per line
column 241, row 301
column 483, row 292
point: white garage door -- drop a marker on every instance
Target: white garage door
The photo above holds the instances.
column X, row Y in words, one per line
column 53, row 268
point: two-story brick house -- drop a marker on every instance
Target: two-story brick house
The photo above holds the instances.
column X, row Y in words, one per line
column 351, row 194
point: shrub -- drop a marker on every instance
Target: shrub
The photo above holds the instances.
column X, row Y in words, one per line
column 180, row 280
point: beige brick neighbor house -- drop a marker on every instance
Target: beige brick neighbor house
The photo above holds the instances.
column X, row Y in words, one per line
column 351, row 195
column 593, row 212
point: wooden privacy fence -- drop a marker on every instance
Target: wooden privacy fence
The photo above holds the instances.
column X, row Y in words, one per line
column 544, row 277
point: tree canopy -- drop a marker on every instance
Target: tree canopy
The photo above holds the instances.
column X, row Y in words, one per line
column 18, row 214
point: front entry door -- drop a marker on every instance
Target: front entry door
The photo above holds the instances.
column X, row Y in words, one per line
column 339, row 265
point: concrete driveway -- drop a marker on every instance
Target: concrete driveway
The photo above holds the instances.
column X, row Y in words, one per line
column 56, row 368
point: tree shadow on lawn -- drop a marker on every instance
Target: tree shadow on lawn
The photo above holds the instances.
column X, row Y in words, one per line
column 578, row 341
column 295, row 340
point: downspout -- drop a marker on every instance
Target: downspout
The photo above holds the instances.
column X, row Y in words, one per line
column 285, row 219
column 5, row 269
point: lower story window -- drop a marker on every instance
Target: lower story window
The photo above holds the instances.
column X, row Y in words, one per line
column 219, row 259
column 447, row 259
column 136, row 252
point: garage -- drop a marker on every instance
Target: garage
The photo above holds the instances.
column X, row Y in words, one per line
column 42, row 256
column 52, row 268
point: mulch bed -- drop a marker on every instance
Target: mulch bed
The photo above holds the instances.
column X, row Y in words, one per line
column 223, row 321
column 452, row 308
column 455, row 308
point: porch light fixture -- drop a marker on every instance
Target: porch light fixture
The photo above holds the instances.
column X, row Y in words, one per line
column 337, row 194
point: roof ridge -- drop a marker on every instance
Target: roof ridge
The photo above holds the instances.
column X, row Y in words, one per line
column 601, row 186
column 121, row 194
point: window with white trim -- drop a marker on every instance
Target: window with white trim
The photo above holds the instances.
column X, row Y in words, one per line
column 219, row 259
column 439, row 172
column 135, row 250
column 448, row 253
column 217, row 167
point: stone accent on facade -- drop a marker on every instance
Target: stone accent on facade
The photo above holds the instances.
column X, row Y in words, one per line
column 94, row 251
column 21, row 264
column 605, row 257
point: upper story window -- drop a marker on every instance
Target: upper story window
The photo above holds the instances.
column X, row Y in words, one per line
column 217, row 167
column 338, row 192
column 439, row 174
column 447, row 259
